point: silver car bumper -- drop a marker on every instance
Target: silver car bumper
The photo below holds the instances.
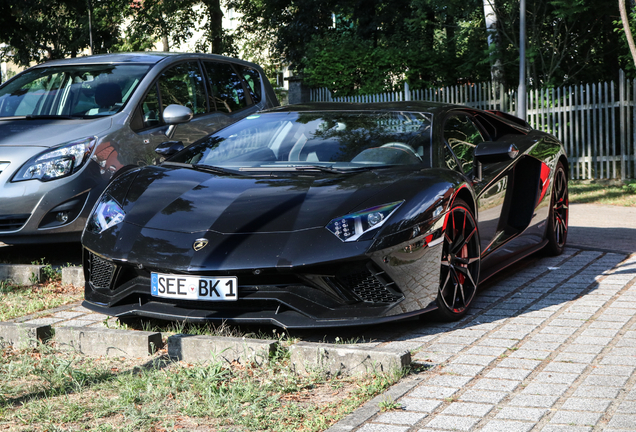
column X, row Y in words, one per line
column 33, row 211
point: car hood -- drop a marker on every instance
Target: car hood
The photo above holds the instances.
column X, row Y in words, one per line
column 48, row 133
column 188, row 201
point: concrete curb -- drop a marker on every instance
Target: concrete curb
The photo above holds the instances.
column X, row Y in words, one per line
column 31, row 274
column 73, row 276
column 342, row 359
column 108, row 342
column 201, row 349
column 24, row 335
column 22, row 274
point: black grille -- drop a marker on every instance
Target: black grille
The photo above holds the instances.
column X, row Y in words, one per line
column 101, row 272
column 370, row 286
column 12, row 222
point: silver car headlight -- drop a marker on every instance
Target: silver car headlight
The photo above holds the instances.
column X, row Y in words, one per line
column 57, row 162
column 106, row 214
column 350, row 227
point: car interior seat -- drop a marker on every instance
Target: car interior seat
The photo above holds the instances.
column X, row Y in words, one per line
column 107, row 95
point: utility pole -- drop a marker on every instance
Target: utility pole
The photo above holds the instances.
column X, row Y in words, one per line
column 90, row 26
column 521, row 92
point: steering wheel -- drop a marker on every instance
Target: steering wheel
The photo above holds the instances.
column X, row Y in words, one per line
column 402, row 146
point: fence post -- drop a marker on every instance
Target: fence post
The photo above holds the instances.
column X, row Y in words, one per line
column 621, row 101
column 407, row 92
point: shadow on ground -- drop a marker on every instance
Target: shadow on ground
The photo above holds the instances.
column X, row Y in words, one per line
column 610, row 239
column 54, row 254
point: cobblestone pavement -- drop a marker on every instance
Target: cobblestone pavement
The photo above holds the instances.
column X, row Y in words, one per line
column 549, row 348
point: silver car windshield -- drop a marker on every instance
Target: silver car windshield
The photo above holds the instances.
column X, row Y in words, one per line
column 82, row 91
column 337, row 140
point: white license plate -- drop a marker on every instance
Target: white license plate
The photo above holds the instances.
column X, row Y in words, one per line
column 194, row 287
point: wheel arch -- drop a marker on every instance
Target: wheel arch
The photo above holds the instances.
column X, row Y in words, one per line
column 466, row 195
column 564, row 160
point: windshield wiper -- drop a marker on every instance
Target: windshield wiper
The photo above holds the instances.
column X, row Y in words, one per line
column 51, row 117
column 203, row 167
column 330, row 169
column 216, row 169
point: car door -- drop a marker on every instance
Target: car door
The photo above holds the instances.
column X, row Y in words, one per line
column 462, row 133
column 182, row 84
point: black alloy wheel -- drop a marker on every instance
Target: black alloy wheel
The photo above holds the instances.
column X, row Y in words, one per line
column 460, row 262
column 557, row 231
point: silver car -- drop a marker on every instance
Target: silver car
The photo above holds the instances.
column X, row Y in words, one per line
column 68, row 127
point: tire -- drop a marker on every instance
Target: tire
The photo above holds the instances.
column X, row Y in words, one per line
column 460, row 263
column 557, row 227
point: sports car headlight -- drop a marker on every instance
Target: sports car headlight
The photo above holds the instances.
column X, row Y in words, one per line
column 352, row 226
column 106, row 214
column 57, row 162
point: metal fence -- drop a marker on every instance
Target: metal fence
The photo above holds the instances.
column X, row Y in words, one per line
column 595, row 122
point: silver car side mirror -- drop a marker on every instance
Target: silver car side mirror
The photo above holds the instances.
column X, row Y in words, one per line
column 174, row 115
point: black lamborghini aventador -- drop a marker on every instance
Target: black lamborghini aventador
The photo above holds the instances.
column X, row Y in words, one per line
column 327, row 215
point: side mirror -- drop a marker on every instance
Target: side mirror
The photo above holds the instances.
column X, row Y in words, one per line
column 174, row 115
column 494, row 151
column 169, row 148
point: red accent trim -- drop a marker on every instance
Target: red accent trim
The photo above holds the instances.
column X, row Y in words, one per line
column 545, row 181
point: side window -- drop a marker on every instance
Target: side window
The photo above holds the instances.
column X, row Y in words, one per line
column 227, row 87
column 253, row 80
column 150, row 110
column 183, row 84
column 462, row 136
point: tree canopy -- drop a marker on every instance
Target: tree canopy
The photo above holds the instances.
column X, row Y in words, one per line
column 349, row 46
column 38, row 30
column 361, row 46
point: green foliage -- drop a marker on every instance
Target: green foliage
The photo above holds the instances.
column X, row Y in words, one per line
column 176, row 21
column 630, row 187
column 47, row 389
column 39, row 30
column 347, row 64
column 375, row 46
column 388, row 403
column 569, row 42
column 355, row 47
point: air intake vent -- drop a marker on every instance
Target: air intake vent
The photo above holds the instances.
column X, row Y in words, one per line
column 370, row 286
column 13, row 222
column 101, row 272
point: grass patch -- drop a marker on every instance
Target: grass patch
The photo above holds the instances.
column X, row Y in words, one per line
column 202, row 329
column 44, row 389
column 603, row 192
column 19, row 300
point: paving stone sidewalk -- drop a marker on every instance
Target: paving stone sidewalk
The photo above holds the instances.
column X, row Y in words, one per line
column 550, row 348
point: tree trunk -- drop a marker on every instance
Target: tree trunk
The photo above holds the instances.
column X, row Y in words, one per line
column 216, row 25
column 165, row 31
column 490, row 18
column 628, row 32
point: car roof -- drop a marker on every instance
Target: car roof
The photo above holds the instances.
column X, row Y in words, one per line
column 435, row 108
column 149, row 57
column 413, row 106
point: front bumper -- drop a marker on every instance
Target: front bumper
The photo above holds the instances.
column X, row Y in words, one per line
column 386, row 285
column 29, row 209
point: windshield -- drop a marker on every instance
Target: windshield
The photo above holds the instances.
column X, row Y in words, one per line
column 70, row 91
column 334, row 139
